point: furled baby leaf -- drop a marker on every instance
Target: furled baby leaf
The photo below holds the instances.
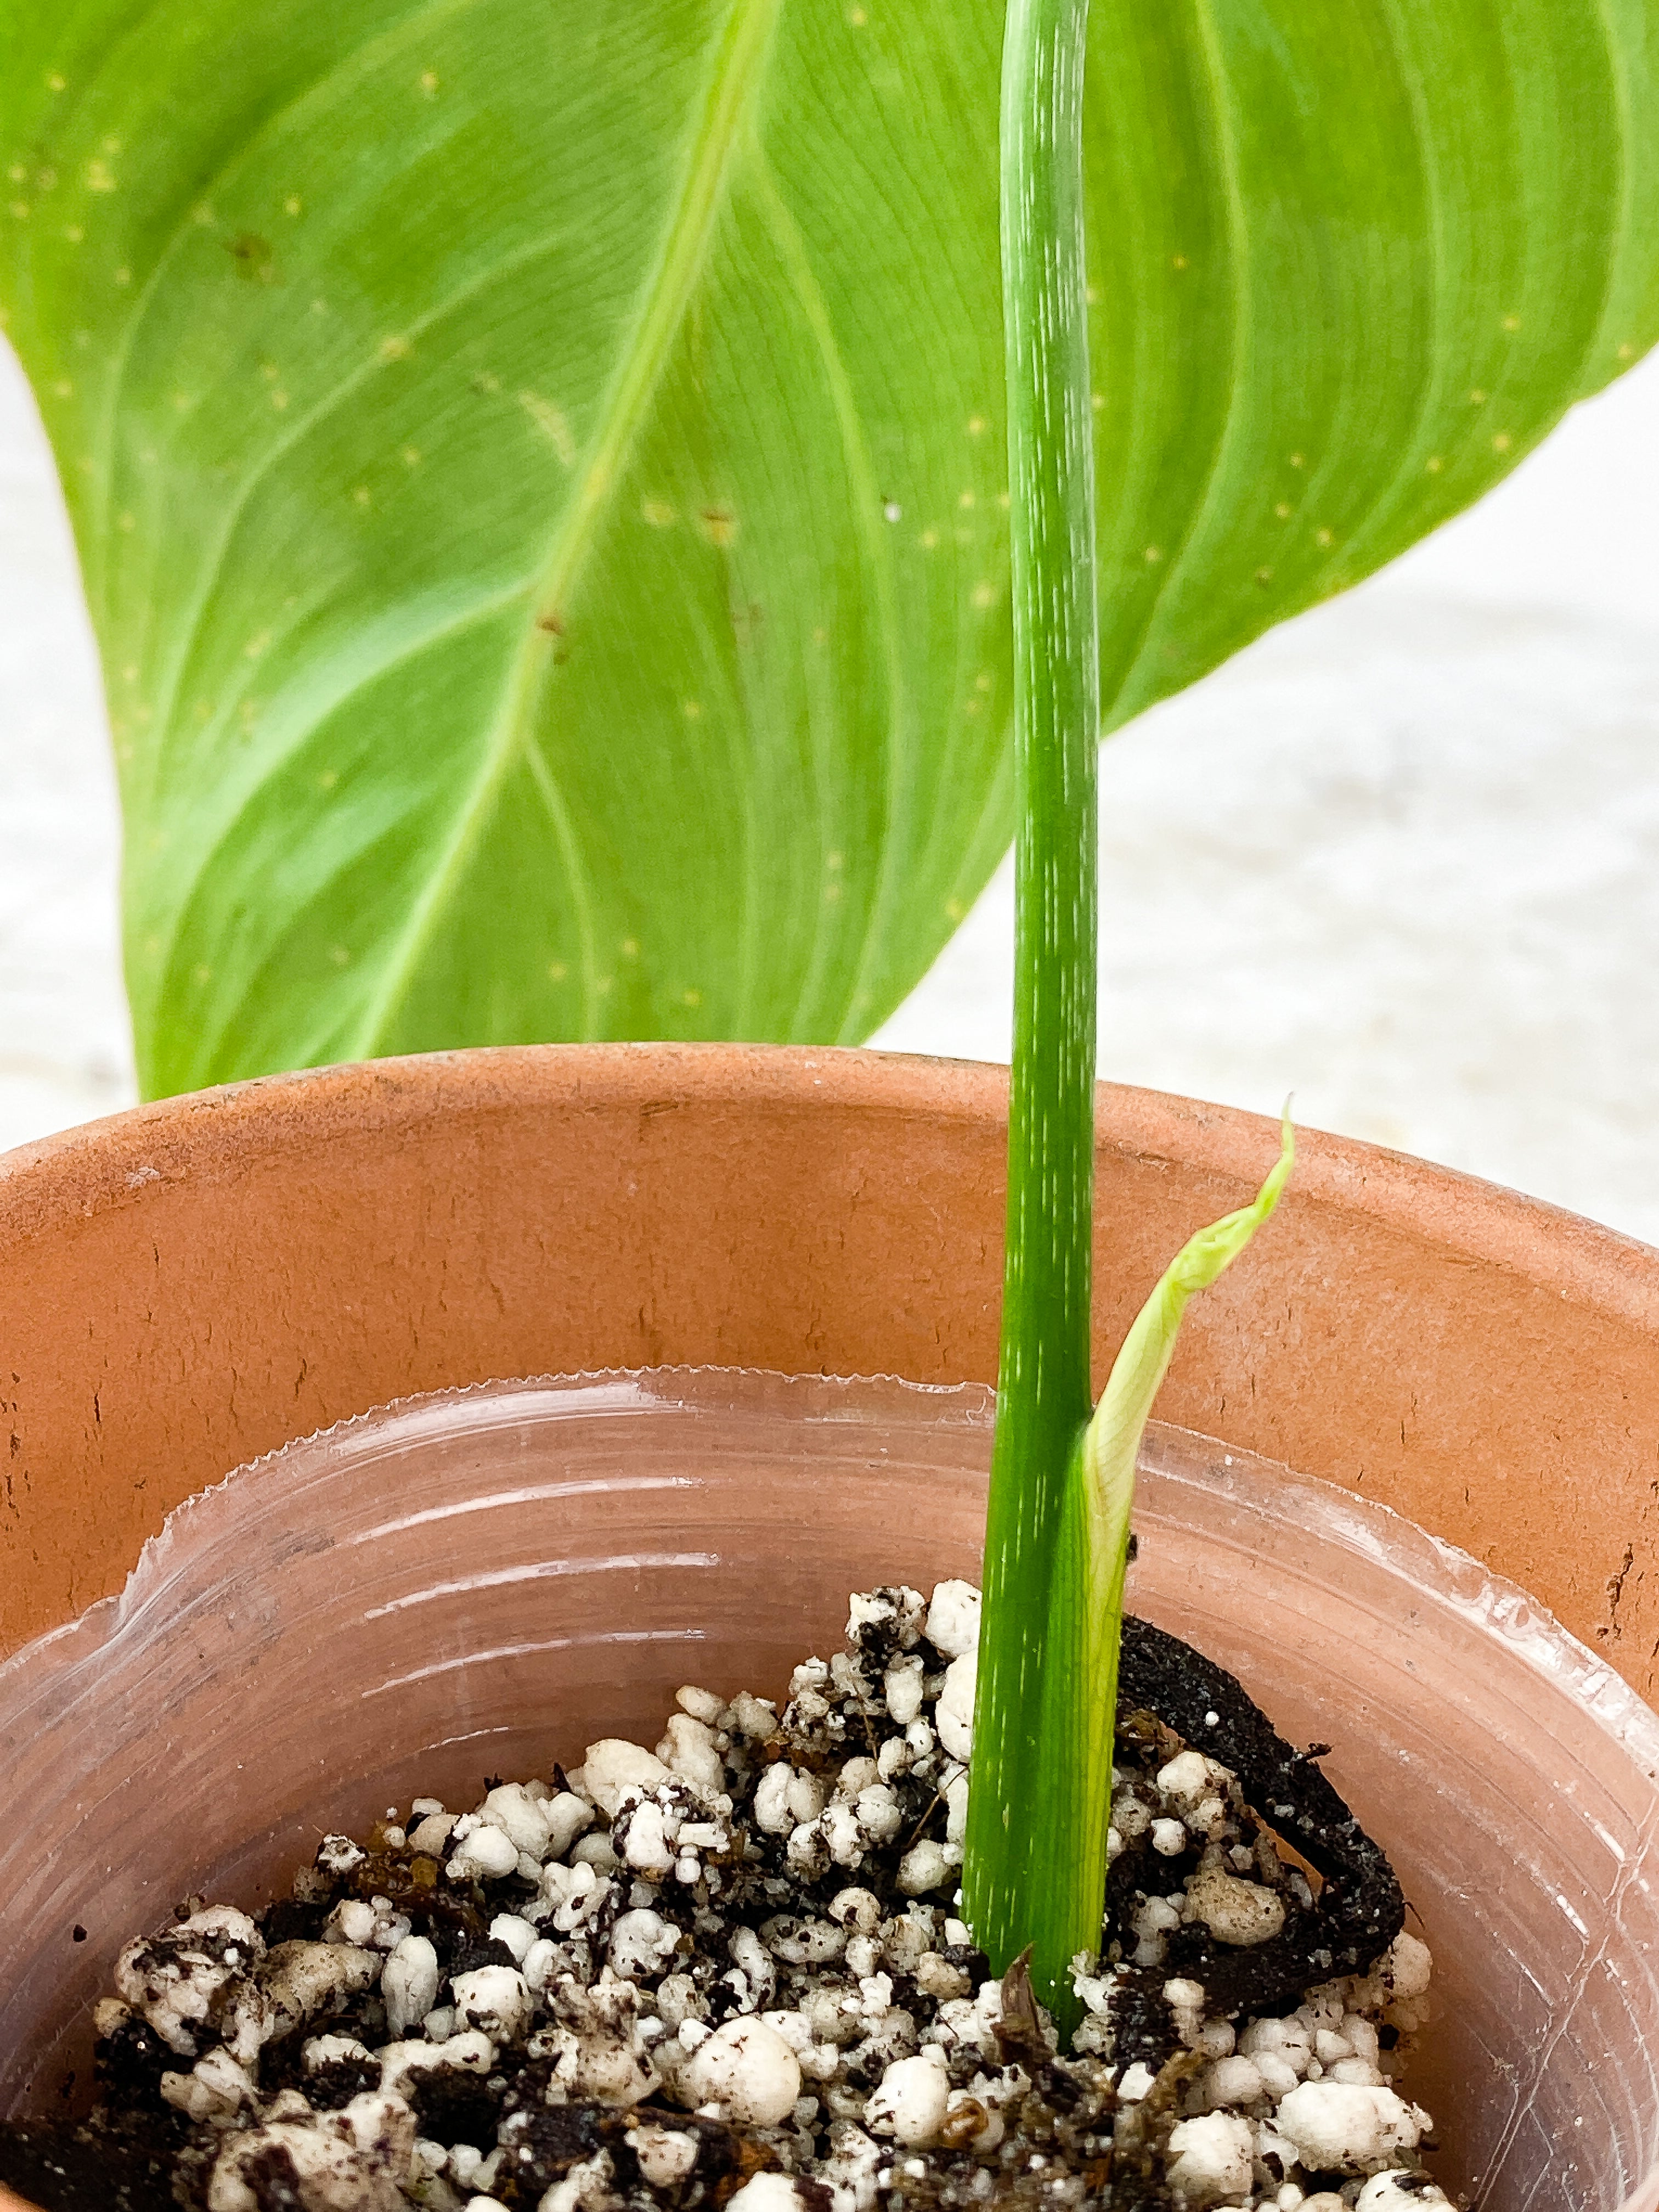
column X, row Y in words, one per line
column 1079, row 1717
column 1041, row 1881
column 536, row 463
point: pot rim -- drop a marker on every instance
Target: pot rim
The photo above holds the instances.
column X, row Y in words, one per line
column 103, row 1163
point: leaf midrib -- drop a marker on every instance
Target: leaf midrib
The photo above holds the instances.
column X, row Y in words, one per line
column 737, row 68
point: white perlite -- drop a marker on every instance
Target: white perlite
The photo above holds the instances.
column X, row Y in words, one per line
column 1342, row 2127
column 745, row 2073
column 1212, row 2159
column 354, row 2160
column 408, row 1984
column 743, row 1947
column 912, row 2100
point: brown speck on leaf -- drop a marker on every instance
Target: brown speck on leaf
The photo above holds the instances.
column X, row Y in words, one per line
column 252, row 255
column 552, row 623
column 717, row 524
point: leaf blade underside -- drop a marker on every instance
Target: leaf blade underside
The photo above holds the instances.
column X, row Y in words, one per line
column 481, row 424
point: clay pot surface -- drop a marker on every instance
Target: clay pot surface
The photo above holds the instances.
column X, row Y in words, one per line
column 192, row 1283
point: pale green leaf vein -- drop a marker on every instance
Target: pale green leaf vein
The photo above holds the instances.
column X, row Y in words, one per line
column 329, row 405
column 876, row 538
column 341, row 75
column 1227, row 147
column 737, row 71
column 1437, row 364
column 216, row 849
column 1623, row 108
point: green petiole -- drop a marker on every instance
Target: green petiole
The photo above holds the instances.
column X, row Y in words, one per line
column 1017, row 1870
column 1062, row 1475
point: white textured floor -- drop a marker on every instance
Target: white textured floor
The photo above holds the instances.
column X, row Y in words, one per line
column 1402, row 858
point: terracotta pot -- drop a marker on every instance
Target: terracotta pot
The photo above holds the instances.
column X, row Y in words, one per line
column 192, row 1283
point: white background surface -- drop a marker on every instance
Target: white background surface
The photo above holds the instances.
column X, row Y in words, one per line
column 1402, row 857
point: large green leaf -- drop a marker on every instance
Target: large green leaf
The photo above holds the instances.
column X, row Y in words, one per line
column 1353, row 258
column 536, row 463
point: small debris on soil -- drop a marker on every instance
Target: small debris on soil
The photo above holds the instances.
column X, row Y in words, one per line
column 730, row 1971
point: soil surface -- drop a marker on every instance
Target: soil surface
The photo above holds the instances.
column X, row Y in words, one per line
column 729, row 1971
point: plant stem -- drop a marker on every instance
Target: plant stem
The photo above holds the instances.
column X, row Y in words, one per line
column 1028, row 1876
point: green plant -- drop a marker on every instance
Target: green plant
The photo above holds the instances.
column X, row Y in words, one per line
column 1063, row 1481
column 1063, row 1475
column 536, row 468
column 539, row 481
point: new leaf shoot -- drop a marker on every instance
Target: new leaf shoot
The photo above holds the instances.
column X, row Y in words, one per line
column 1086, row 1598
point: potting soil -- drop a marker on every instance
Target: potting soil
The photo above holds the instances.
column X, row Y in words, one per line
column 730, row 1971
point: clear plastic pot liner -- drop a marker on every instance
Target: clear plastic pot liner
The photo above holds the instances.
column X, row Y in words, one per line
column 480, row 1582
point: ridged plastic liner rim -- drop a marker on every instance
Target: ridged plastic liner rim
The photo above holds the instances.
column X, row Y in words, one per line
column 1440, row 1573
